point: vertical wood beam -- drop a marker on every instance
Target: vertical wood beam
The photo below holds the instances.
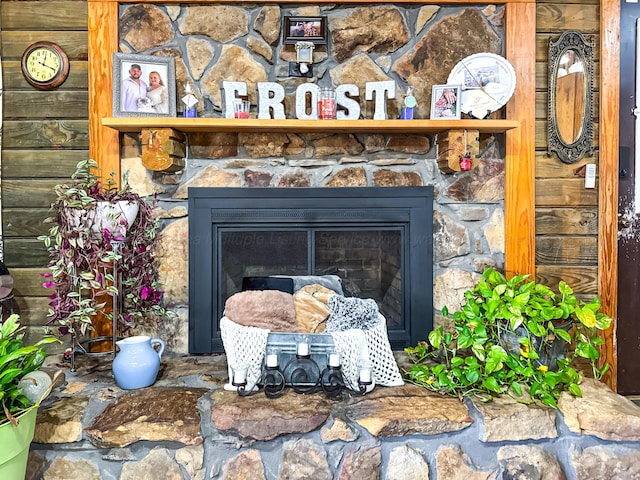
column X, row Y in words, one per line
column 520, row 142
column 608, row 183
column 104, row 143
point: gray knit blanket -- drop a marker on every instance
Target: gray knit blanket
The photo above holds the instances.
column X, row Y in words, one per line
column 350, row 312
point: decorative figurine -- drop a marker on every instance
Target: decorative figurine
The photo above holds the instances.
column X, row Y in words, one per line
column 409, row 104
column 190, row 101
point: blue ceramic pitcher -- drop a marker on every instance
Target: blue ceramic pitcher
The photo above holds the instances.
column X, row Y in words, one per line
column 138, row 362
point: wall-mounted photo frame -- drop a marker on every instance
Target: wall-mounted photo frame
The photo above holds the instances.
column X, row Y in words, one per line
column 143, row 86
column 305, row 29
column 445, row 102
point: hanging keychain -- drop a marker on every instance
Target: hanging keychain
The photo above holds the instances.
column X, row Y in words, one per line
column 465, row 161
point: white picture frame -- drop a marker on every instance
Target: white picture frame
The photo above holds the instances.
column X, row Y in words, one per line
column 445, row 102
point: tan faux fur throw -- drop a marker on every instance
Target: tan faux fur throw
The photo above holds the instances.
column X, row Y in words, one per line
column 311, row 308
column 269, row 309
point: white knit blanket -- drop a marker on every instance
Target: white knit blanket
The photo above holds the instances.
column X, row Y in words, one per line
column 246, row 346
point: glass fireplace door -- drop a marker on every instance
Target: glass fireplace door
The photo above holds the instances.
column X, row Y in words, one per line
column 379, row 241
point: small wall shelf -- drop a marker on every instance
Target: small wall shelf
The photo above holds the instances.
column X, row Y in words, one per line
column 253, row 125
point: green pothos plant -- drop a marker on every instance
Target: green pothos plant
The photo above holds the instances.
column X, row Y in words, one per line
column 515, row 337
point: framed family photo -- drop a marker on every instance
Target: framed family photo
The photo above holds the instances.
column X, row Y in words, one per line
column 445, row 102
column 305, row 29
column 143, row 86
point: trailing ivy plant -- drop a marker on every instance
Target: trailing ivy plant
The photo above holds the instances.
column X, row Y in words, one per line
column 81, row 261
column 503, row 340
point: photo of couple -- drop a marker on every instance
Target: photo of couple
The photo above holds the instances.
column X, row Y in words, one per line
column 151, row 96
column 306, row 29
column 143, row 85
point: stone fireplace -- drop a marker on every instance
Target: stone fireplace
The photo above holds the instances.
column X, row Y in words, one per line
column 379, row 241
column 468, row 207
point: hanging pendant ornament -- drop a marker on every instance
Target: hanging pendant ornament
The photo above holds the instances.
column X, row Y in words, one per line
column 190, row 101
column 465, row 162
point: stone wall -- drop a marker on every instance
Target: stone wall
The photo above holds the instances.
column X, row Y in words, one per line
column 414, row 45
column 187, row 427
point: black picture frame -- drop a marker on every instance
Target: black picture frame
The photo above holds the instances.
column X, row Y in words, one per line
column 122, row 104
column 305, row 29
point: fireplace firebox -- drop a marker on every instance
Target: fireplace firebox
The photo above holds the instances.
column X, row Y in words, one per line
column 379, row 241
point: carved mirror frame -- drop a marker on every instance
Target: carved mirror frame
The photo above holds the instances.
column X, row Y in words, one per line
column 570, row 152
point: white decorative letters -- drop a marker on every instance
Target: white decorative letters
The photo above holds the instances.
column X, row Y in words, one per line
column 352, row 106
column 270, row 98
column 380, row 88
column 230, row 92
column 304, row 90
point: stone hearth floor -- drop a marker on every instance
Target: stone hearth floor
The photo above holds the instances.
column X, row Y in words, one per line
column 186, row 426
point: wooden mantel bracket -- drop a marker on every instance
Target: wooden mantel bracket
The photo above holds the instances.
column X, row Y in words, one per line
column 454, row 144
column 163, row 149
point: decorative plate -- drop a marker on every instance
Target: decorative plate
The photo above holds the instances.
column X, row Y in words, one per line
column 488, row 81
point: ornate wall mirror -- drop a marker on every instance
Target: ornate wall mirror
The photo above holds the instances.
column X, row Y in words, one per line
column 570, row 109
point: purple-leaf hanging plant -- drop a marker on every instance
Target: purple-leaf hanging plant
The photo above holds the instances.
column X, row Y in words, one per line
column 82, row 254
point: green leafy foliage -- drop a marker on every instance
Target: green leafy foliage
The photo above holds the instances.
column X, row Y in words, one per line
column 504, row 341
column 16, row 360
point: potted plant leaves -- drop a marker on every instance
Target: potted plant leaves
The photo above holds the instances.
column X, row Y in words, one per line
column 84, row 246
column 22, row 388
column 505, row 340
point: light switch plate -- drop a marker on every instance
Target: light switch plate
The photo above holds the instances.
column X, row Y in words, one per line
column 590, row 176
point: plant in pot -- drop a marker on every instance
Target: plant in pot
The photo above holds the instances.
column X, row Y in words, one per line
column 515, row 337
column 99, row 252
column 22, row 388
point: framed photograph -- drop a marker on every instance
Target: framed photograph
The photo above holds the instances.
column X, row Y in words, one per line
column 305, row 29
column 143, row 86
column 445, row 102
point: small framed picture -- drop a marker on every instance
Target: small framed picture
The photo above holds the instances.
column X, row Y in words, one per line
column 143, row 86
column 305, row 29
column 445, row 102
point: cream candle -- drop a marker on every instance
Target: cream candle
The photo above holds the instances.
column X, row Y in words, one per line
column 272, row 360
column 303, row 349
column 365, row 375
column 240, row 375
column 334, row 360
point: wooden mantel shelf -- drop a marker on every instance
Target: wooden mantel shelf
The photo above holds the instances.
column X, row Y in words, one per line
column 188, row 125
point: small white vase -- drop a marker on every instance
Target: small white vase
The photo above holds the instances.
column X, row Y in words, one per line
column 109, row 215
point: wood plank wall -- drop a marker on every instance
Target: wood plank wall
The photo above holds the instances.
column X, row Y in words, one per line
column 44, row 135
column 566, row 212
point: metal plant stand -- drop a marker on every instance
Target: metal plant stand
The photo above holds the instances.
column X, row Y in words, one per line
column 83, row 347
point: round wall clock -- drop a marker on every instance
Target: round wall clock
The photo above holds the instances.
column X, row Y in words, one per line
column 45, row 65
column 488, row 81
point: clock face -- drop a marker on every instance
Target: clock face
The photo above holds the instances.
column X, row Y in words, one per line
column 488, row 82
column 45, row 65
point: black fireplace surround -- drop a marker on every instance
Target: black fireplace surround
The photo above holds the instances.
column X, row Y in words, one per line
column 379, row 240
